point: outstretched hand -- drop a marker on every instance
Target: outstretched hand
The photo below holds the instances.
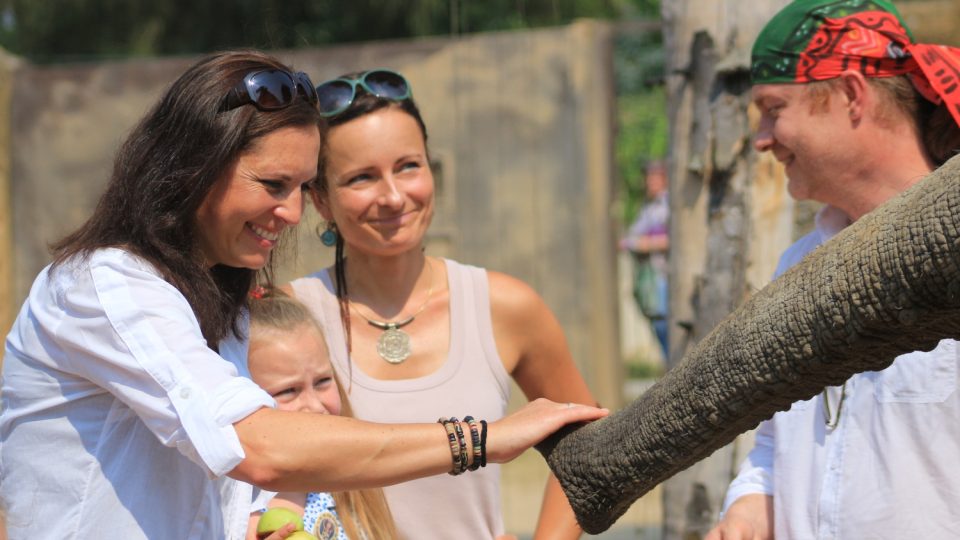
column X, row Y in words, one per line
column 508, row 437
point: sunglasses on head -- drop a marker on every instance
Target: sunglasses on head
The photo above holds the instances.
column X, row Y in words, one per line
column 336, row 95
column 270, row 89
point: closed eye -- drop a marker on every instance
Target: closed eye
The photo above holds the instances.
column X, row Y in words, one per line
column 285, row 395
column 275, row 187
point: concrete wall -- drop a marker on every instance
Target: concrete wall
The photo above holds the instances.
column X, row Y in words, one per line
column 520, row 131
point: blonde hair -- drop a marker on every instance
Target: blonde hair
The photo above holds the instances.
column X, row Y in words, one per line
column 364, row 513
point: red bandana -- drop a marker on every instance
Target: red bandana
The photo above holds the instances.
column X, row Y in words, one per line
column 875, row 44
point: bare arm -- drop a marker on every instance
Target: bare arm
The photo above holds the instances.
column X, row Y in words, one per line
column 535, row 352
column 293, row 451
column 749, row 518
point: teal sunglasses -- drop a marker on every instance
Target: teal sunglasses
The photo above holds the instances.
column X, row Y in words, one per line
column 336, row 95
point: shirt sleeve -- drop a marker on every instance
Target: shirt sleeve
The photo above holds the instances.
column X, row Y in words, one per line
column 756, row 472
column 131, row 333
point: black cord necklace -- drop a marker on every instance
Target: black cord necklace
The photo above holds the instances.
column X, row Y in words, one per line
column 394, row 344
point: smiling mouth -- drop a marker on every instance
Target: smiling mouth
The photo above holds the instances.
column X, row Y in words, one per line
column 263, row 233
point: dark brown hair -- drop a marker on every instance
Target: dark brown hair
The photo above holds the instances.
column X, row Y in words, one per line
column 164, row 171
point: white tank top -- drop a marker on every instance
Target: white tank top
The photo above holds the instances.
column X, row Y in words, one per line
column 472, row 381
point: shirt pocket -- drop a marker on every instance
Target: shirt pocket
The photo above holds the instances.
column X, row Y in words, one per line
column 920, row 377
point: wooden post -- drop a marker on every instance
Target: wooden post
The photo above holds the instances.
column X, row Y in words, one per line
column 8, row 65
column 727, row 225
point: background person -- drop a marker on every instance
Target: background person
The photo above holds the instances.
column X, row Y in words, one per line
column 857, row 114
column 410, row 333
column 119, row 418
column 649, row 240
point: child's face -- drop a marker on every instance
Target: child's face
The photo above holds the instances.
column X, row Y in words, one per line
column 294, row 367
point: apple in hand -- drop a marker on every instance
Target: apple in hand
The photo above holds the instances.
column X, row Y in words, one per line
column 301, row 535
column 274, row 518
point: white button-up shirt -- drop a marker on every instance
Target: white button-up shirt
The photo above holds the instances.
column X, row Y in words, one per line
column 890, row 469
column 117, row 418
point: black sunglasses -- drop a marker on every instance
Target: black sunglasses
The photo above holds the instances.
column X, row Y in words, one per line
column 270, row 89
column 335, row 95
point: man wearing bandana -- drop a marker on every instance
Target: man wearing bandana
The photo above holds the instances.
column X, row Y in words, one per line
column 857, row 112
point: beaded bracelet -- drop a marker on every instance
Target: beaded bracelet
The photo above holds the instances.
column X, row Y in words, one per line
column 464, row 458
column 483, row 443
column 475, row 439
column 456, row 445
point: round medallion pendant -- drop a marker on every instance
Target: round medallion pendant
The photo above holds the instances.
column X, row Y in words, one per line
column 328, row 527
column 394, row 345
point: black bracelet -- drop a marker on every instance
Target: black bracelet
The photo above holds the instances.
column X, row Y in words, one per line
column 483, row 443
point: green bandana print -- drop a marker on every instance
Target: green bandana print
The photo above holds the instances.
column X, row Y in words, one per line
column 777, row 51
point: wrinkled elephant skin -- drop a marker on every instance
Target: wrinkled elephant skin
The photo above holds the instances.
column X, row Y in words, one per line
column 887, row 285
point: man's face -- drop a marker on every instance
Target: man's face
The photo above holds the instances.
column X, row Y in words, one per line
column 808, row 132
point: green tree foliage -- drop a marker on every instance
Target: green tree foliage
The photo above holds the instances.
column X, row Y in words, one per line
column 68, row 30
column 642, row 120
column 57, row 31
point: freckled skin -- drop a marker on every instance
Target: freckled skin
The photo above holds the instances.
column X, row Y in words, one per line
column 887, row 285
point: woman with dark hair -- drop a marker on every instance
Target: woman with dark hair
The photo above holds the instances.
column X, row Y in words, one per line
column 409, row 333
column 120, row 419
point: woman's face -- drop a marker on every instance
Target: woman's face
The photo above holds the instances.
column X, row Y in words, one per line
column 257, row 197
column 379, row 183
column 294, row 367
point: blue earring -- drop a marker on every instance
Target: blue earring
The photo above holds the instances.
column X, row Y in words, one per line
column 329, row 235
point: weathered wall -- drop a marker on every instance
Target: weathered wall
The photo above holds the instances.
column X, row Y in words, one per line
column 520, row 130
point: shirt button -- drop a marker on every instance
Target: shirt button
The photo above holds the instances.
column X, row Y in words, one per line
column 185, row 393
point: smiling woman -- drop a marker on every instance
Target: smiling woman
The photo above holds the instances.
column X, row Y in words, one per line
column 413, row 333
column 116, row 403
column 259, row 196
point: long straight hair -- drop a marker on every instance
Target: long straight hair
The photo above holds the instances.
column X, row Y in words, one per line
column 164, row 171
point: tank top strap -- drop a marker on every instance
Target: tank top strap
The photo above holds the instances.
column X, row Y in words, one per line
column 471, row 318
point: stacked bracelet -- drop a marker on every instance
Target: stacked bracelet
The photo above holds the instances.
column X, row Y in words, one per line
column 464, row 459
column 456, row 444
column 483, row 443
column 475, row 439
column 459, row 450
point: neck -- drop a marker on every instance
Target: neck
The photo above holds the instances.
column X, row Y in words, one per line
column 388, row 286
column 890, row 166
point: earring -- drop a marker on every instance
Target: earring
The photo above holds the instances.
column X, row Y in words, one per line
column 329, row 235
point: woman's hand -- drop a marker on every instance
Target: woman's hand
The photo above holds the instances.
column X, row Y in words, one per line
column 508, row 437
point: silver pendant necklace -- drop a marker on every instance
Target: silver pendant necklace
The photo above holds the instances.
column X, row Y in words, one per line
column 394, row 344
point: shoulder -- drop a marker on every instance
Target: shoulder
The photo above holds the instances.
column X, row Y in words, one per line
column 104, row 269
column 798, row 250
column 512, row 296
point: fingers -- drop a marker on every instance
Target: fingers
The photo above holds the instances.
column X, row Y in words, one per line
column 283, row 532
column 582, row 413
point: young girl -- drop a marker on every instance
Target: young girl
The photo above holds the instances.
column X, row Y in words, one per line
column 288, row 358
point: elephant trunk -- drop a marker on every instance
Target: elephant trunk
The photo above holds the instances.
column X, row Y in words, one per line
column 887, row 285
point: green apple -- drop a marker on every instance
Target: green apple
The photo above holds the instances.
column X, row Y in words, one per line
column 301, row 535
column 274, row 518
